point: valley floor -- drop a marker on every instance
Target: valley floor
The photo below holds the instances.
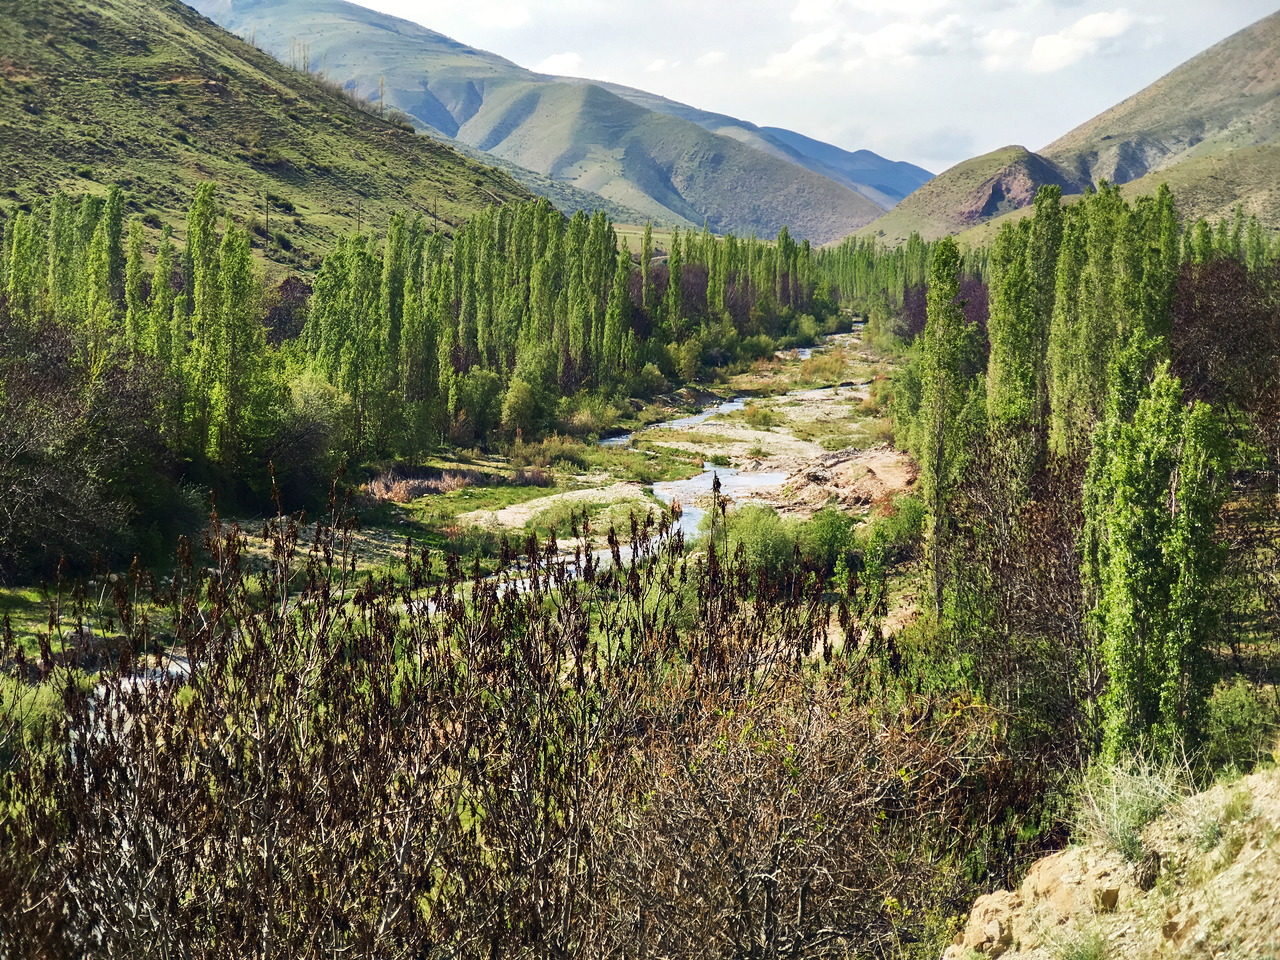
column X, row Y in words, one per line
column 797, row 433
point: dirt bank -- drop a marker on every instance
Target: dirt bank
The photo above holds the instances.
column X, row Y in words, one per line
column 1207, row 886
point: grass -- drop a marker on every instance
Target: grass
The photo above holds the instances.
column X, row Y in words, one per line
column 560, row 518
column 26, row 611
column 1085, row 944
column 1114, row 804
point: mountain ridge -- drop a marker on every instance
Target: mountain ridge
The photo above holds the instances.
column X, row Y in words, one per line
column 666, row 160
column 1210, row 128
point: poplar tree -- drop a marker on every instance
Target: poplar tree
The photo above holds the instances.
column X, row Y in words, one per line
column 100, row 305
column 1151, row 499
column 135, row 302
column 646, row 264
column 946, row 391
column 1014, row 329
column 673, row 302
column 237, row 374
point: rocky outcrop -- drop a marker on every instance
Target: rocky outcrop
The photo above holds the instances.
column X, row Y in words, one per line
column 1208, row 886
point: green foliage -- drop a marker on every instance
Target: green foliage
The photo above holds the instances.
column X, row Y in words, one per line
column 895, row 533
column 1151, row 498
column 766, row 541
column 951, row 404
column 1241, row 725
column 826, row 538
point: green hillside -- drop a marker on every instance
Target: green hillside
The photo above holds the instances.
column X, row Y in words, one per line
column 149, row 94
column 627, row 147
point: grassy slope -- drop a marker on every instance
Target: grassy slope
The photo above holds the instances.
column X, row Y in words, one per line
column 1224, row 99
column 660, row 164
column 149, row 94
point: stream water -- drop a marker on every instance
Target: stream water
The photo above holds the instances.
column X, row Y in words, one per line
column 734, row 483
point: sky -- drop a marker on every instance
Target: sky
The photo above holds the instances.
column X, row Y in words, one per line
column 933, row 82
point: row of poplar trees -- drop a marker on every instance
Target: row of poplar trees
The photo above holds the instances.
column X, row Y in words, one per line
column 1061, row 421
column 192, row 312
column 435, row 338
column 416, row 338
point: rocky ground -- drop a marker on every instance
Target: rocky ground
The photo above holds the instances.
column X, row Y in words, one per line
column 1208, row 886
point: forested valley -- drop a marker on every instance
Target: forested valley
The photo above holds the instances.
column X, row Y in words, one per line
column 610, row 734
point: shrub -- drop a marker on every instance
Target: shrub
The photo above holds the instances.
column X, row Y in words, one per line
column 688, row 359
column 401, row 488
column 826, row 538
column 896, row 531
column 588, row 416
column 554, row 449
column 649, row 382
column 757, row 347
column 533, row 477
column 825, row 368
column 1240, row 727
column 767, row 542
column 1082, row 945
column 805, row 331
column 759, row 417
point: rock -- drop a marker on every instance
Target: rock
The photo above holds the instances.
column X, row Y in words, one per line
column 990, row 927
column 1107, row 898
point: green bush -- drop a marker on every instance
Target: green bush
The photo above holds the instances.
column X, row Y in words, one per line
column 587, row 415
column 649, row 382
column 551, row 451
column 895, row 533
column 826, row 538
column 765, row 539
column 1240, row 727
column 757, row 347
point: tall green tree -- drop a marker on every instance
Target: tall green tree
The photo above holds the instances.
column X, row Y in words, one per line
column 946, row 392
column 1152, row 495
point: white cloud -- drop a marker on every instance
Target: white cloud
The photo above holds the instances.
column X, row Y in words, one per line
column 1003, row 48
column 712, row 58
column 810, row 55
column 565, row 64
column 661, row 66
column 898, row 43
column 1085, row 37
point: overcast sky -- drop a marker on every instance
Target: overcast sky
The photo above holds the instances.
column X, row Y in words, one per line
column 930, row 81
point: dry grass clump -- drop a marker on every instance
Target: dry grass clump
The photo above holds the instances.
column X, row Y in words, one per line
column 1115, row 803
column 398, row 488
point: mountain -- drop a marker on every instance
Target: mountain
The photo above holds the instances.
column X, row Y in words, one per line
column 884, row 182
column 1210, row 129
column 668, row 161
column 1221, row 100
column 971, row 193
column 149, row 94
